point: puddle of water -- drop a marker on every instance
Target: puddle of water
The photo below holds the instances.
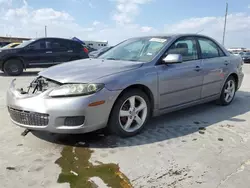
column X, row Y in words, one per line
column 77, row 170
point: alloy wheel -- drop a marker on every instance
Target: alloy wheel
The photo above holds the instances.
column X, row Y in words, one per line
column 229, row 91
column 133, row 113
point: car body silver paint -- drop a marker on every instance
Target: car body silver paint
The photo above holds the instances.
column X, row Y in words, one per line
column 59, row 108
column 173, row 86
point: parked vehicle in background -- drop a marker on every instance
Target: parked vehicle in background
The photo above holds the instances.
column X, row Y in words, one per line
column 246, row 57
column 122, row 88
column 91, row 45
column 43, row 52
column 11, row 45
column 90, row 49
column 99, row 52
column 238, row 53
column 2, row 44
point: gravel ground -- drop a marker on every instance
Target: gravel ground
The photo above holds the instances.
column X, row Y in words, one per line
column 206, row 146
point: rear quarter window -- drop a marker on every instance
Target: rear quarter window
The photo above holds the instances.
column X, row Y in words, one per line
column 76, row 46
column 59, row 44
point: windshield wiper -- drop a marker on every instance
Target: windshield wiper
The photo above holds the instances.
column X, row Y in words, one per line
column 111, row 58
column 133, row 60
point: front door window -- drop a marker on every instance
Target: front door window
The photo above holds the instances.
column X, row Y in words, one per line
column 185, row 47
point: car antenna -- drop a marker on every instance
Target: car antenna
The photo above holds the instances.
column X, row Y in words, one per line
column 200, row 31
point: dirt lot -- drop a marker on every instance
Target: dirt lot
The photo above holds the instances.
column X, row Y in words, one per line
column 206, row 146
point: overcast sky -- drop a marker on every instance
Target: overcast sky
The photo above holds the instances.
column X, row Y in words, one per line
column 116, row 20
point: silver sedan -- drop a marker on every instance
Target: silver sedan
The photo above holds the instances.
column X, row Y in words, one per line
column 120, row 90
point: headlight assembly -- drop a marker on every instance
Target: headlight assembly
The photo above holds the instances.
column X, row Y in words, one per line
column 75, row 89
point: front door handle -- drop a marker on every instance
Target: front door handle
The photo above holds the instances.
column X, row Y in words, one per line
column 48, row 52
column 226, row 62
column 197, row 68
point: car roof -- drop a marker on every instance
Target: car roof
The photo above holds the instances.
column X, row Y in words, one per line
column 177, row 35
column 55, row 38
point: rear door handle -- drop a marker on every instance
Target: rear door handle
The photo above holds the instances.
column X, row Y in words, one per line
column 226, row 62
column 197, row 68
column 70, row 51
column 48, row 52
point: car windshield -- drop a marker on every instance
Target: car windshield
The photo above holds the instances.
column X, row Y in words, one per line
column 6, row 46
column 103, row 49
column 139, row 49
column 237, row 53
column 25, row 43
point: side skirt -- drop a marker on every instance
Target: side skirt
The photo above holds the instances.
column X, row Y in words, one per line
column 185, row 105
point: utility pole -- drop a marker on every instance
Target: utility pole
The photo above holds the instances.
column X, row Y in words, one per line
column 45, row 31
column 225, row 24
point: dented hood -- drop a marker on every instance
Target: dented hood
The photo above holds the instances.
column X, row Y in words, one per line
column 87, row 70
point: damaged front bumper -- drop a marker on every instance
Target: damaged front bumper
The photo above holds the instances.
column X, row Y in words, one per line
column 69, row 115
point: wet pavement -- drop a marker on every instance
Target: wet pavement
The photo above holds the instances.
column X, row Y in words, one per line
column 204, row 146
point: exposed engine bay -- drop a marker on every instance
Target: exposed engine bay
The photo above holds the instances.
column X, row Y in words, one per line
column 39, row 85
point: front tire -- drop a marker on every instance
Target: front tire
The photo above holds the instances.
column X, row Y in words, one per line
column 129, row 114
column 13, row 67
column 228, row 92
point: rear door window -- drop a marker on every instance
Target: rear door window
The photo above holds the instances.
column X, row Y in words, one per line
column 209, row 49
column 76, row 46
column 60, row 45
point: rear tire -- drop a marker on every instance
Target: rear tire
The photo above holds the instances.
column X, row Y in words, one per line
column 13, row 67
column 228, row 92
column 126, row 118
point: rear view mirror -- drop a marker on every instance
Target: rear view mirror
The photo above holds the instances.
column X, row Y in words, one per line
column 172, row 58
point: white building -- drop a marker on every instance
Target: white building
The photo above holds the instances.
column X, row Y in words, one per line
column 96, row 44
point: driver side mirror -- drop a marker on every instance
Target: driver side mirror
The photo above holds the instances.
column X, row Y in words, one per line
column 172, row 59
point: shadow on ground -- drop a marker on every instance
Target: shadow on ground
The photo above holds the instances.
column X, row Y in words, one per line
column 169, row 126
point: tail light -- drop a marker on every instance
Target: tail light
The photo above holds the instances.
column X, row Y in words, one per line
column 85, row 50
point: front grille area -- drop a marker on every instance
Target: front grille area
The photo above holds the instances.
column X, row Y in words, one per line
column 28, row 118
